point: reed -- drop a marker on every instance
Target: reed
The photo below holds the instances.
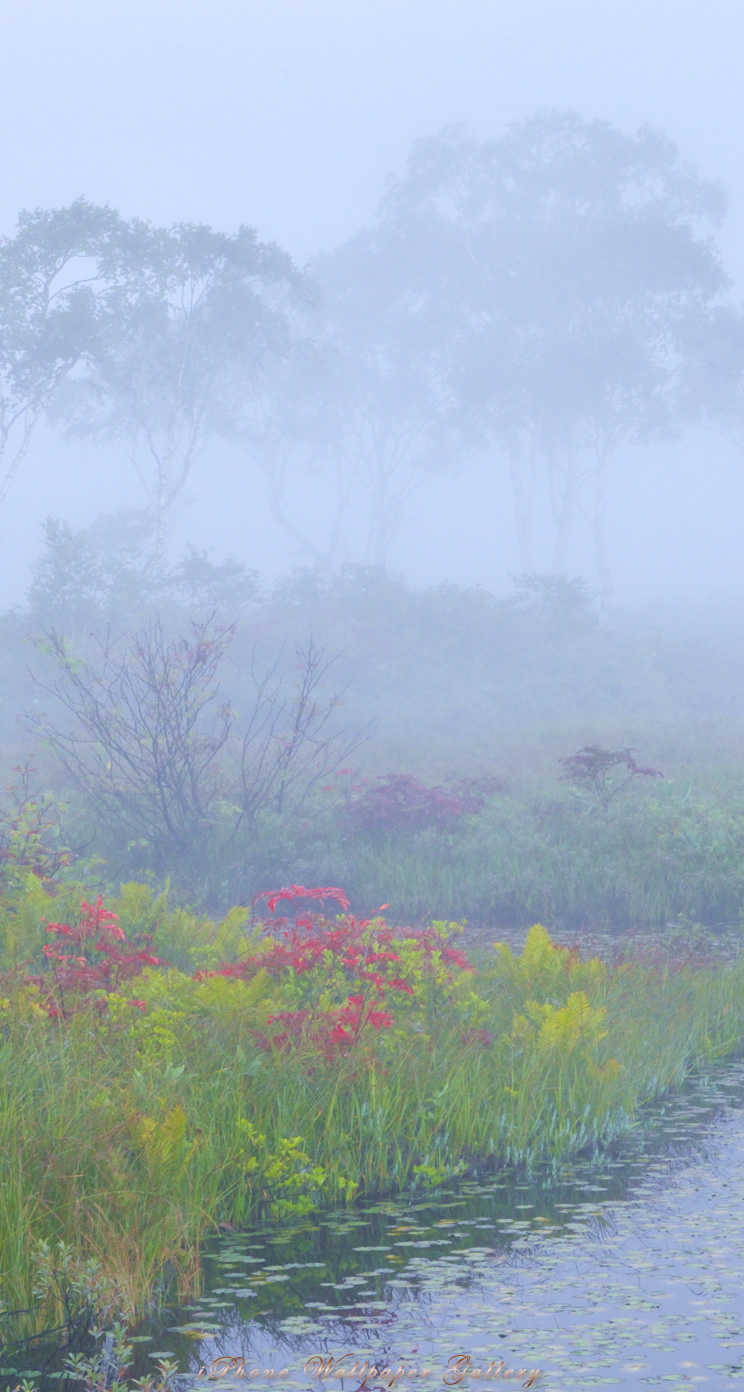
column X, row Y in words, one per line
column 129, row 1129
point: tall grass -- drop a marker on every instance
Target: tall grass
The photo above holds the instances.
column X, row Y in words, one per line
column 550, row 854
column 128, row 1135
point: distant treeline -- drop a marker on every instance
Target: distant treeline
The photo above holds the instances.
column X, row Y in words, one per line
column 184, row 724
column 540, row 298
column 446, row 673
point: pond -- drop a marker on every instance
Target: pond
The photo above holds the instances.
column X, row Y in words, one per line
column 622, row 1271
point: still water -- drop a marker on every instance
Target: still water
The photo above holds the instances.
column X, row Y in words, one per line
column 624, row 1271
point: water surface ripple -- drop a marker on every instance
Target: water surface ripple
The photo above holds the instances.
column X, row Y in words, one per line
column 624, row 1271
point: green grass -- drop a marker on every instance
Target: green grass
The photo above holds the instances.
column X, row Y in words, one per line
column 541, row 852
column 129, row 1135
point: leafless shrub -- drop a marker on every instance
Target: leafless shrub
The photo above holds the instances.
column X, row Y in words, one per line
column 161, row 762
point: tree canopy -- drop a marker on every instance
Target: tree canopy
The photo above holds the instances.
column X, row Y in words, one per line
column 545, row 296
column 577, row 265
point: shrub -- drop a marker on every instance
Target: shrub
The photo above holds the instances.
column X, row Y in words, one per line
column 166, row 770
column 342, row 977
column 89, row 960
column 398, row 802
column 592, row 768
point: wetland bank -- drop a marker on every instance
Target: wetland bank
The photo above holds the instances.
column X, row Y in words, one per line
column 321, row 1061
column 619, row 1268
column 371, row 672
column 313, row 1064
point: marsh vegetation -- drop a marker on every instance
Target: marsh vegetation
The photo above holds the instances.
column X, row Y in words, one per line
column 263, row 843
column 202, row 1055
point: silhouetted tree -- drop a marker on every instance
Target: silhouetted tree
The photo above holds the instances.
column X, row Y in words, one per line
column 51, row 296
column 364, row 404
column 283, row 429
column 582, row 274
column 191, row 315
column 387, row 396
column 713, row 380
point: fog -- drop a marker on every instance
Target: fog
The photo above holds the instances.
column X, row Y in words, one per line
column 371, row 577
column 290, row 118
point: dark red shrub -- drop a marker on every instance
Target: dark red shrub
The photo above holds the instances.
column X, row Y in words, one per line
column 397, row 802
column 92, row 956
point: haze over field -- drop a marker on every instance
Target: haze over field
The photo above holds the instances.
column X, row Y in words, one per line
column 371, row 675
column 290, row 117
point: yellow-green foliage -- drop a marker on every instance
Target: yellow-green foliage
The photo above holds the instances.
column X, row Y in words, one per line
column 163, row 1144
column 23, row 915
column 562, row 1028
column 156, row 1111
column 183, row 1016
column 181, row 938
column 545, row 970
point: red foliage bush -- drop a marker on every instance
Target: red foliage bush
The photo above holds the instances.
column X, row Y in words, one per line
column 359, row 951
column 92, row 956
column 294, row 891
column 333, row 1033
column 397, row 802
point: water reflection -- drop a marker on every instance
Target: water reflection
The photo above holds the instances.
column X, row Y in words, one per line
column 624, row 1271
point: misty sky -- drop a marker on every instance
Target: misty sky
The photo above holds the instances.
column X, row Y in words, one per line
column 288, row 115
